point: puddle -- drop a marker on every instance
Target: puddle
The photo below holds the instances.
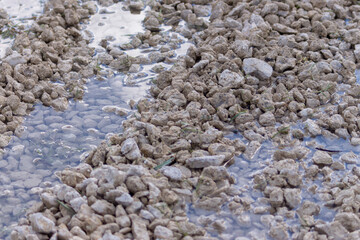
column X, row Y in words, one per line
column 357, row 75
column 254, row 222
column 52, row 140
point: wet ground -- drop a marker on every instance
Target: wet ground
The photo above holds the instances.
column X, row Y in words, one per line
column 52, row 140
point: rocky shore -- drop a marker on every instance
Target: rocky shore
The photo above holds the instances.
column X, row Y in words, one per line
column 257, row 68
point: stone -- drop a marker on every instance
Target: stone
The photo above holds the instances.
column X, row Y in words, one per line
column 161, row 232
column 206, row 161
column 125, row 199
column 41, row 224
column 71, row 17
column 276, row 197
column 242, row 48
column 322, row 158
column 292, row 197
column 231, row 79
column 130, row 149
column 279, row 232
column 308, row 208
column 350, row 158
column 267, row 119
column 71, row 178
column 334, row 230
column 173, row 173
column 257, row 68
column 138, row 228
column 283, row 29
column 349, row 220
column 103, row 207
column 15, row 59
column 135, row 184
column 60, row 104
column 312, row 128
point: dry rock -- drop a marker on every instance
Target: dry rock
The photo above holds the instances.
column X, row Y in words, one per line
column 257, row 68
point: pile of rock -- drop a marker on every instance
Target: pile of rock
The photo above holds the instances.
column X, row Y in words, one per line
column 51, row 51
column 255, row 66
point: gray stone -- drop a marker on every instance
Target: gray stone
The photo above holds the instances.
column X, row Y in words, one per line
column 242, row 48
column 292, row 197
column 138, row 227
column 15, row 59
column 349, row 220
column 231, row 79
column 349, row 158
column 257, row 68
column 334, row 230
column 206, row 161
column 161, row 232
column 103, row 207
column 312, row 127
column 41, row 224
column 172, row 173
column 309, row 208
column 125, row 199
column 322, row 158
column 267, row 119
column 130, row 149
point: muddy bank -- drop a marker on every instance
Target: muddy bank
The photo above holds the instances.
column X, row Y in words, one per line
column 256, row 69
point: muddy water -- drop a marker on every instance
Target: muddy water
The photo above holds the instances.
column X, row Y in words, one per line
column 49, row 140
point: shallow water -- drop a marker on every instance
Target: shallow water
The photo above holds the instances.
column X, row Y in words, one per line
column 253, row 225
column 52, row 140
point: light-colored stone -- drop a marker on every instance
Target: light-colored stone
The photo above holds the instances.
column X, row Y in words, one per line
column 257, row 68
column 41, row 224
column 206, row 161
column 322, row 158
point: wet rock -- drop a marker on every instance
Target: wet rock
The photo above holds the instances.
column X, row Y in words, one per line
column 252, row 149
column 231, row 79
column 349, row 158
column 308, row 208
column 257, row 68
column 279, row 232
column 349, row 220
column 334, row 230
column 276, row 197
column 322, row 158
column 312, row 128
column 41, row 224
column 206, row 161
column 292, row 197
column 130, row 149
column 60, row 104
column 71, row 178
